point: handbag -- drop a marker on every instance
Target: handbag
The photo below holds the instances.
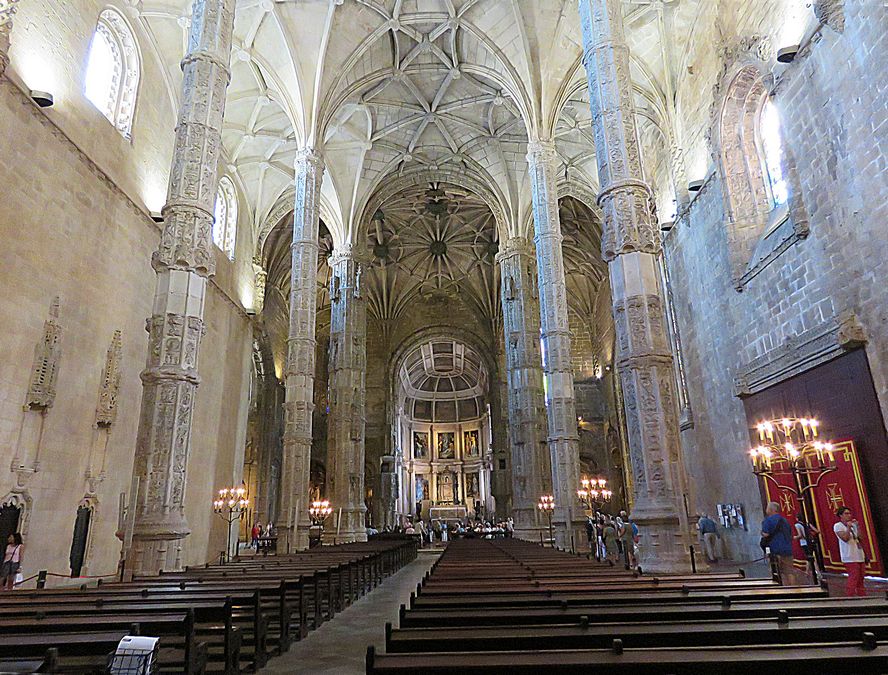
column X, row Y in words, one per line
column 19, row 577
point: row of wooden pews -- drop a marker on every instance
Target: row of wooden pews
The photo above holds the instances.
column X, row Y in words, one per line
column 213, row 619
column 513, row 606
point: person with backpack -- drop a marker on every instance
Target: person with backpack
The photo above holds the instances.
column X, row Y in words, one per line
column 777, row 538
column 805, row 534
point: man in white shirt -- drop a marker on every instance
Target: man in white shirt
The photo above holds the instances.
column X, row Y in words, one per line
column 850, row 550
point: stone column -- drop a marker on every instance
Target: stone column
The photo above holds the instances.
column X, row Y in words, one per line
column 348, row 363
column 7, row 10
column 561, row 409
column 531, row 473
column 301, row 344
column 183, row 262
column 631, row 245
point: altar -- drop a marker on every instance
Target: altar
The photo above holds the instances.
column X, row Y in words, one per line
column 448, row 513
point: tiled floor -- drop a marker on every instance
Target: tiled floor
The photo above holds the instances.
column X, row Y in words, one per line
column 339, row 646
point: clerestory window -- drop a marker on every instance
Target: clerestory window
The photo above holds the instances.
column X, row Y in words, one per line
column 225, row 222
column 112, row 71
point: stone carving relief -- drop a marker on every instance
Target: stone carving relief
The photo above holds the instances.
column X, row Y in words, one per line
column 831, row 13
column 109, row 388
column 47, row 352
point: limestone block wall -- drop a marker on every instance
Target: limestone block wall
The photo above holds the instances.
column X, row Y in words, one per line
column 68, row 230
column 833, row 113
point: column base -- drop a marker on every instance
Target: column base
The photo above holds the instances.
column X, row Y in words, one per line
column 662, row 548
column 157, row 548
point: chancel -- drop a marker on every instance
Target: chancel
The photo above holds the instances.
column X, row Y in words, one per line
column 485, row 332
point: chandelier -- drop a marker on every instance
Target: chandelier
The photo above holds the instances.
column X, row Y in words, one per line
column 792, row 445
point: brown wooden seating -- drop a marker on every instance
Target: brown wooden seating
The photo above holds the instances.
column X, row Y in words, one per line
column 512, row 606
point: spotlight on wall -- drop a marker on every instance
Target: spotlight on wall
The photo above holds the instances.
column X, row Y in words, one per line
column 250, row 311
column 787, row 54
column 42, row 98
column 666, row 226
column 695, row 185
column 157, row 216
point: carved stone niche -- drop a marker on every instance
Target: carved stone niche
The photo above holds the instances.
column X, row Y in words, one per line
column 799, row 354
column 47, row 352
column 106, row 410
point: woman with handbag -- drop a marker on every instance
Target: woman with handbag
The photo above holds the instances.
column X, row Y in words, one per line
column 850, row 550
column 12, row 561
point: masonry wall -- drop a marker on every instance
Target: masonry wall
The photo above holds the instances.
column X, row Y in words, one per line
column 833, row 111
column 70, row 231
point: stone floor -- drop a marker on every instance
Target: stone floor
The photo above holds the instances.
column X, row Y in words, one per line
column 339, row 646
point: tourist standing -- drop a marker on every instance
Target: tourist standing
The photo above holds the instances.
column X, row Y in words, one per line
column 710, row 536
column 805, row 534
column 850, row 550
column 627, row 537
column 777, row 536
column 255, row 533
column 12, row 561
column 609, row 534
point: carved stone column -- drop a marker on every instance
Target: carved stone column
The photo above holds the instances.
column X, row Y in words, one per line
column 531, row 472
column 7, row 10
column 631, row 246
column 300, row 369
column 561, row 409
column 183, row 262
column 348, row 363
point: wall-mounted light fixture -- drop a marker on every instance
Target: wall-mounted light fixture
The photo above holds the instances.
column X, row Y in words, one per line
column 787, row 54
column 157, row 216
column 42, row 98
column 695, row 185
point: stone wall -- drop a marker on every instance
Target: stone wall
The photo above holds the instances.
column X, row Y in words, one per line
column 833, row 113
column 70, row 231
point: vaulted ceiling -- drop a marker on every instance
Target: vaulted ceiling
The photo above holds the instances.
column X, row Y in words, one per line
column 440, row 90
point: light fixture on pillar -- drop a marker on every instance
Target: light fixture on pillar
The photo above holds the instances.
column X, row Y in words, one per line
column 231, row 505
column 792, row 446
column 157, row 216
column 547, row 506
column 787, row 54
column 667, row 226
column 42, row 98
column 695, row 185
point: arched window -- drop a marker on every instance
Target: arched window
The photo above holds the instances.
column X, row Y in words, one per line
column 772, row 153
column 112, row 71
column 762, row 217
column 225, row 223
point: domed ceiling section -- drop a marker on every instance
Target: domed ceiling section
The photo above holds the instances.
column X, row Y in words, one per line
column 429, row 242
column 443, row 381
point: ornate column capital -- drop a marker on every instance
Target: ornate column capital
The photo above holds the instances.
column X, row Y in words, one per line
column 541, row 152
column 515, row 246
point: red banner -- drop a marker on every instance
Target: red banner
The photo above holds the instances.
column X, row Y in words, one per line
column 842, row 487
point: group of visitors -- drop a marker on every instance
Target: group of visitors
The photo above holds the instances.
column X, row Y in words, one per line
column 444, row 530
column 778, row 535
column 613, row 538
column 258, row 533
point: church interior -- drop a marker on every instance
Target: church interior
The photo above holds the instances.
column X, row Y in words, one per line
column 434, row 320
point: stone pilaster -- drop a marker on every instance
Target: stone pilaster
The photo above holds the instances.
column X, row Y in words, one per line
column 531, row 473
column 7, row 10
column 183, row 262
column 631, row 246
column 300, row 367
column 348, row 363
column 561, row 409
